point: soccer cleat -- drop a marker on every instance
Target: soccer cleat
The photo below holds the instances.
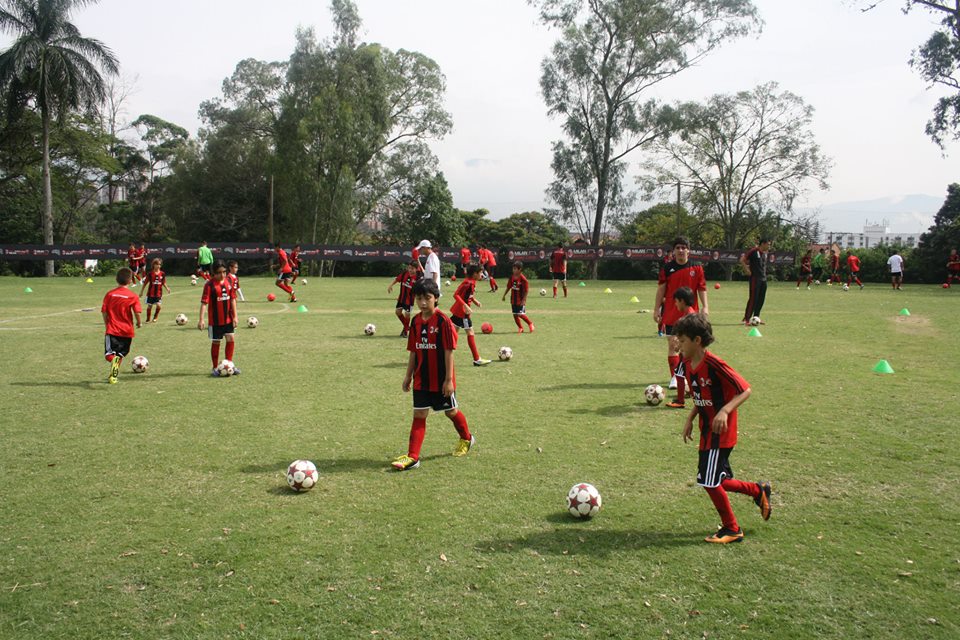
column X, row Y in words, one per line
column 293, row 298
column 215, row 373
column 154, row 321
column 114, row 370
column 481, row 362
column 405, row 462
column 861, row 287
column 463, row 447
column 763, row 500
column 725, row 536
column 676, row 404
column 236, row 371
column 673, row 383
column 532, row 328
column 519, row 329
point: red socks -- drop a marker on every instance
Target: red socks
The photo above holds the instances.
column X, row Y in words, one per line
column 555, row 292
column 564, row 291
column 148, row 314
column 527, row 320
column 110, row 357
column 673, row 362
column 417, row 431
column 722, row 503
column 460, row 424
column 681, row 388
column 215, row 353
column 230, row 347
column 472, row 341
column 751, row 489
column 285, row 287
column 493, row 282
column 516, row 319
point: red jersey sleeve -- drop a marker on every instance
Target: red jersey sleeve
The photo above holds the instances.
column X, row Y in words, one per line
column 205, row 296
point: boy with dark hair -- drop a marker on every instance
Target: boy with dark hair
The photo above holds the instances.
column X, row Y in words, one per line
column 219, row 299
column 717, row 392
column 133, row 262
column 684, row 300
column 488, row 263
column 518, row 286
column 460, row 312
column 558, row 268
column 754, row 264
column 142, row 260
column 834, row 268
column 232, row 269
column 116, row 309
column 284, row 272
column 431, row 343
column 853, row 266
column 295, row 263
column 806, row 269
column 157, row 281
column 406, row 280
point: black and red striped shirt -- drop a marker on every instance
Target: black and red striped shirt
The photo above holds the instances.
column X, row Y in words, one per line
column 234, row 281
column 155, row 282
column 519, row 287
column 465, row 292
column 675, row 275
column 713, row 384
column 406, row 281
column 428, row 340
column 295, row 260
column 218, row 296
column 806, row 264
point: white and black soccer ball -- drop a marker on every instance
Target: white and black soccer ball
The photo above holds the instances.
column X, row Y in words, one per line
column 304, row 281
column 225, row 368
column 846, row 287
column 140, row 364
column 505, row 353
column 252, row 322
column 543, row 292
column 193, row 282
column 448, row 283
column 370, row 329
column 816, row 282
column 755, row 321
column 181, row 319
column 653, row 394
column 302, row 475
column 583, row 501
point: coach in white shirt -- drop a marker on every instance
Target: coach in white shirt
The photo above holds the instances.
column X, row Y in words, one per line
column 895, row 264
column 431, row 270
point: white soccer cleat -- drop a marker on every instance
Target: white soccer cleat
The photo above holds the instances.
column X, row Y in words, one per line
column 673, row 383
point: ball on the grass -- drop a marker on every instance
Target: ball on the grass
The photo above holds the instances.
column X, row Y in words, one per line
column 505, row 353
column 543, row 292
column 140, row 364
column 583, row 501
column 946, row 285
column 193, row 282
column 303, row 281
column 846, row 287
column 755, row 321
column 448, row 283
column 486, row 327
column 252, row 322
column 271, row 297
column 653, row 394
column 302, row 475
column 716, row 285
column 181, row 319
column 370, row 329
column 816, row 282
column 225, row 368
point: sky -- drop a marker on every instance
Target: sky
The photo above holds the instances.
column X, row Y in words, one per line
column 852, row 67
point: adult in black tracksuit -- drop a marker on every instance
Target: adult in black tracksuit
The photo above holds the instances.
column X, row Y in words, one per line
column 755, row 264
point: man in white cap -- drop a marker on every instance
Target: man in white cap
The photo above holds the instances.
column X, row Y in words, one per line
column 431, row 270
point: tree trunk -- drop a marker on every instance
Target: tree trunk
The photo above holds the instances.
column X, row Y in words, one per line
column 47, row 189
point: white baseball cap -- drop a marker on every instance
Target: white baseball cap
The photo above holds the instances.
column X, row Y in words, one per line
column 424, row 244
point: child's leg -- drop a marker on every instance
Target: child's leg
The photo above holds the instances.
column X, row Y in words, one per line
column 149, row 309
column 417, row 431
column 156, row 314
column 283, row 285
column 215, row 352
column 564, row 283
column 400, row 317
column 231, row 345
column 554, row 288
column 516, row 318
column 472, row 341
column 673, row 356
column 528, row 321
column 722, row 504
column 459, row 423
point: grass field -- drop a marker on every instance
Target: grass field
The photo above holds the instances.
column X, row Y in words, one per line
column 157, row 507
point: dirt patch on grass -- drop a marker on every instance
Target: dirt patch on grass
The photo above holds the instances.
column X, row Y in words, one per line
column 915, row 325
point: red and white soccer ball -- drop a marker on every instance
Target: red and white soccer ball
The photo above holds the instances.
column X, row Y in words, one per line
column 486, row 327
column 583, row 501
column 653, row 394
column 505, row 353
column 252, row 322
column 302, row 475
column 370, row 329
column 181, row 319
column 225, row 368
column 140, row 364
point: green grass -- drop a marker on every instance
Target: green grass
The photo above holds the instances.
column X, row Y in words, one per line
column 157, row 507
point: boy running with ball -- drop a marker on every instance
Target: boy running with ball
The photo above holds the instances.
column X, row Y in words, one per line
column 120, row 307
column 717, row 392
column 430, row 372
column 460, row 312
column 518, row 286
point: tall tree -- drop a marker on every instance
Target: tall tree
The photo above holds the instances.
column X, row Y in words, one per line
column 598, row 77
column 930, row 257
column 747, row 156
column 52, row 68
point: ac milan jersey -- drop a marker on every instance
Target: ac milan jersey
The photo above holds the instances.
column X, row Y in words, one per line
column 558, row 261
column 487, row 258
column 155, row 282
column 117, row 304
column 234, row 280
column 675, row 276
column 835, row 262
column 465, row 292
column 519, row 286
column 954, row 263
column 428, row 340
column 806, row 264
column 132, row 257
column 758, row 263
column 284, row 261
column 295, row 259
column 218, row 297
column 142, row 257
column 406, row 281
column 713, row 384
column 465, row 256
column 853, row 263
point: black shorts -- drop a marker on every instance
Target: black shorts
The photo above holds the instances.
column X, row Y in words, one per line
column 205, row 268
column 288, row 275
column 117, row 345
column 152, row 300
column 668, row 329
column 559, row 276
column 714, row 467
column 434, row 400
column 216, row 332
column 405, row 307
column 519, row 309
column 896, row 274
column 463, row 323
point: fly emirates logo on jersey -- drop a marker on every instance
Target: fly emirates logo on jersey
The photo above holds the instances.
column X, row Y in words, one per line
column 695, row 389
column 424, row 339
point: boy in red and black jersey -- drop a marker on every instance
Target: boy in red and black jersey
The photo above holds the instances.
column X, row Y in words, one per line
column 119, row 308
column 676, row 273
column 853, row 266
column 806, row 269
column 717, row 392
column 142, row 260
column 558, row 268
column 519, row 287
column 295, row 263
column 460, row 312
column 685, row 302
column 219, row 300
column 834, row 268
column 488, row 264
column 133, row 262
column 953, row 267
column 284, row 272
column 406, row 280
column 431, row 343
column 465, row 257
column 154, row 283
column 232, row 269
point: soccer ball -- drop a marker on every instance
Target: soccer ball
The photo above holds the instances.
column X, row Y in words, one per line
column 140, row 364
column 225, row 368
column 304, row 281
column 583, row 501
column 448, row 283
column 271, row 297
column 486, row 327
column 370, row 329
column 946, row 285
column 816, row 282
column 505, row 353
column 846, row 287
column 755, row 321
column 193, row 282
column 543, row 292
column 252, row 322
column 302, row 475
column 653, row 394
column 181, row 319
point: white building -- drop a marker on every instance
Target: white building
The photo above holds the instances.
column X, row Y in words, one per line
column 872, row 235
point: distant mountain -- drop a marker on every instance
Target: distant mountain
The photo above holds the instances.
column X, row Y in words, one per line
column 903, row 214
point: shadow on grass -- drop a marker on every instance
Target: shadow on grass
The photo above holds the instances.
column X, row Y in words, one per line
column 342, row 465
column 637, row 337
column 579, row 537
column 390, row 365
column 89, row 384
column 612, row 411
column 584, row 386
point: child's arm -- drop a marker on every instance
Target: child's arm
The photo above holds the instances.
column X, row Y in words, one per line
column 408, row 376
column 144, row 284
column 233, row 310
column 136, row 315
column 704, row 306
column 658, row 302
column 203, row 309
column 395, row 281
column 448, row 381
column 720, row 420
column 466, row 310
column 688, row 425
column 473, row 299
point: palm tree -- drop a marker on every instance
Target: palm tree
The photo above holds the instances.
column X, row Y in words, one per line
column 52, row 68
